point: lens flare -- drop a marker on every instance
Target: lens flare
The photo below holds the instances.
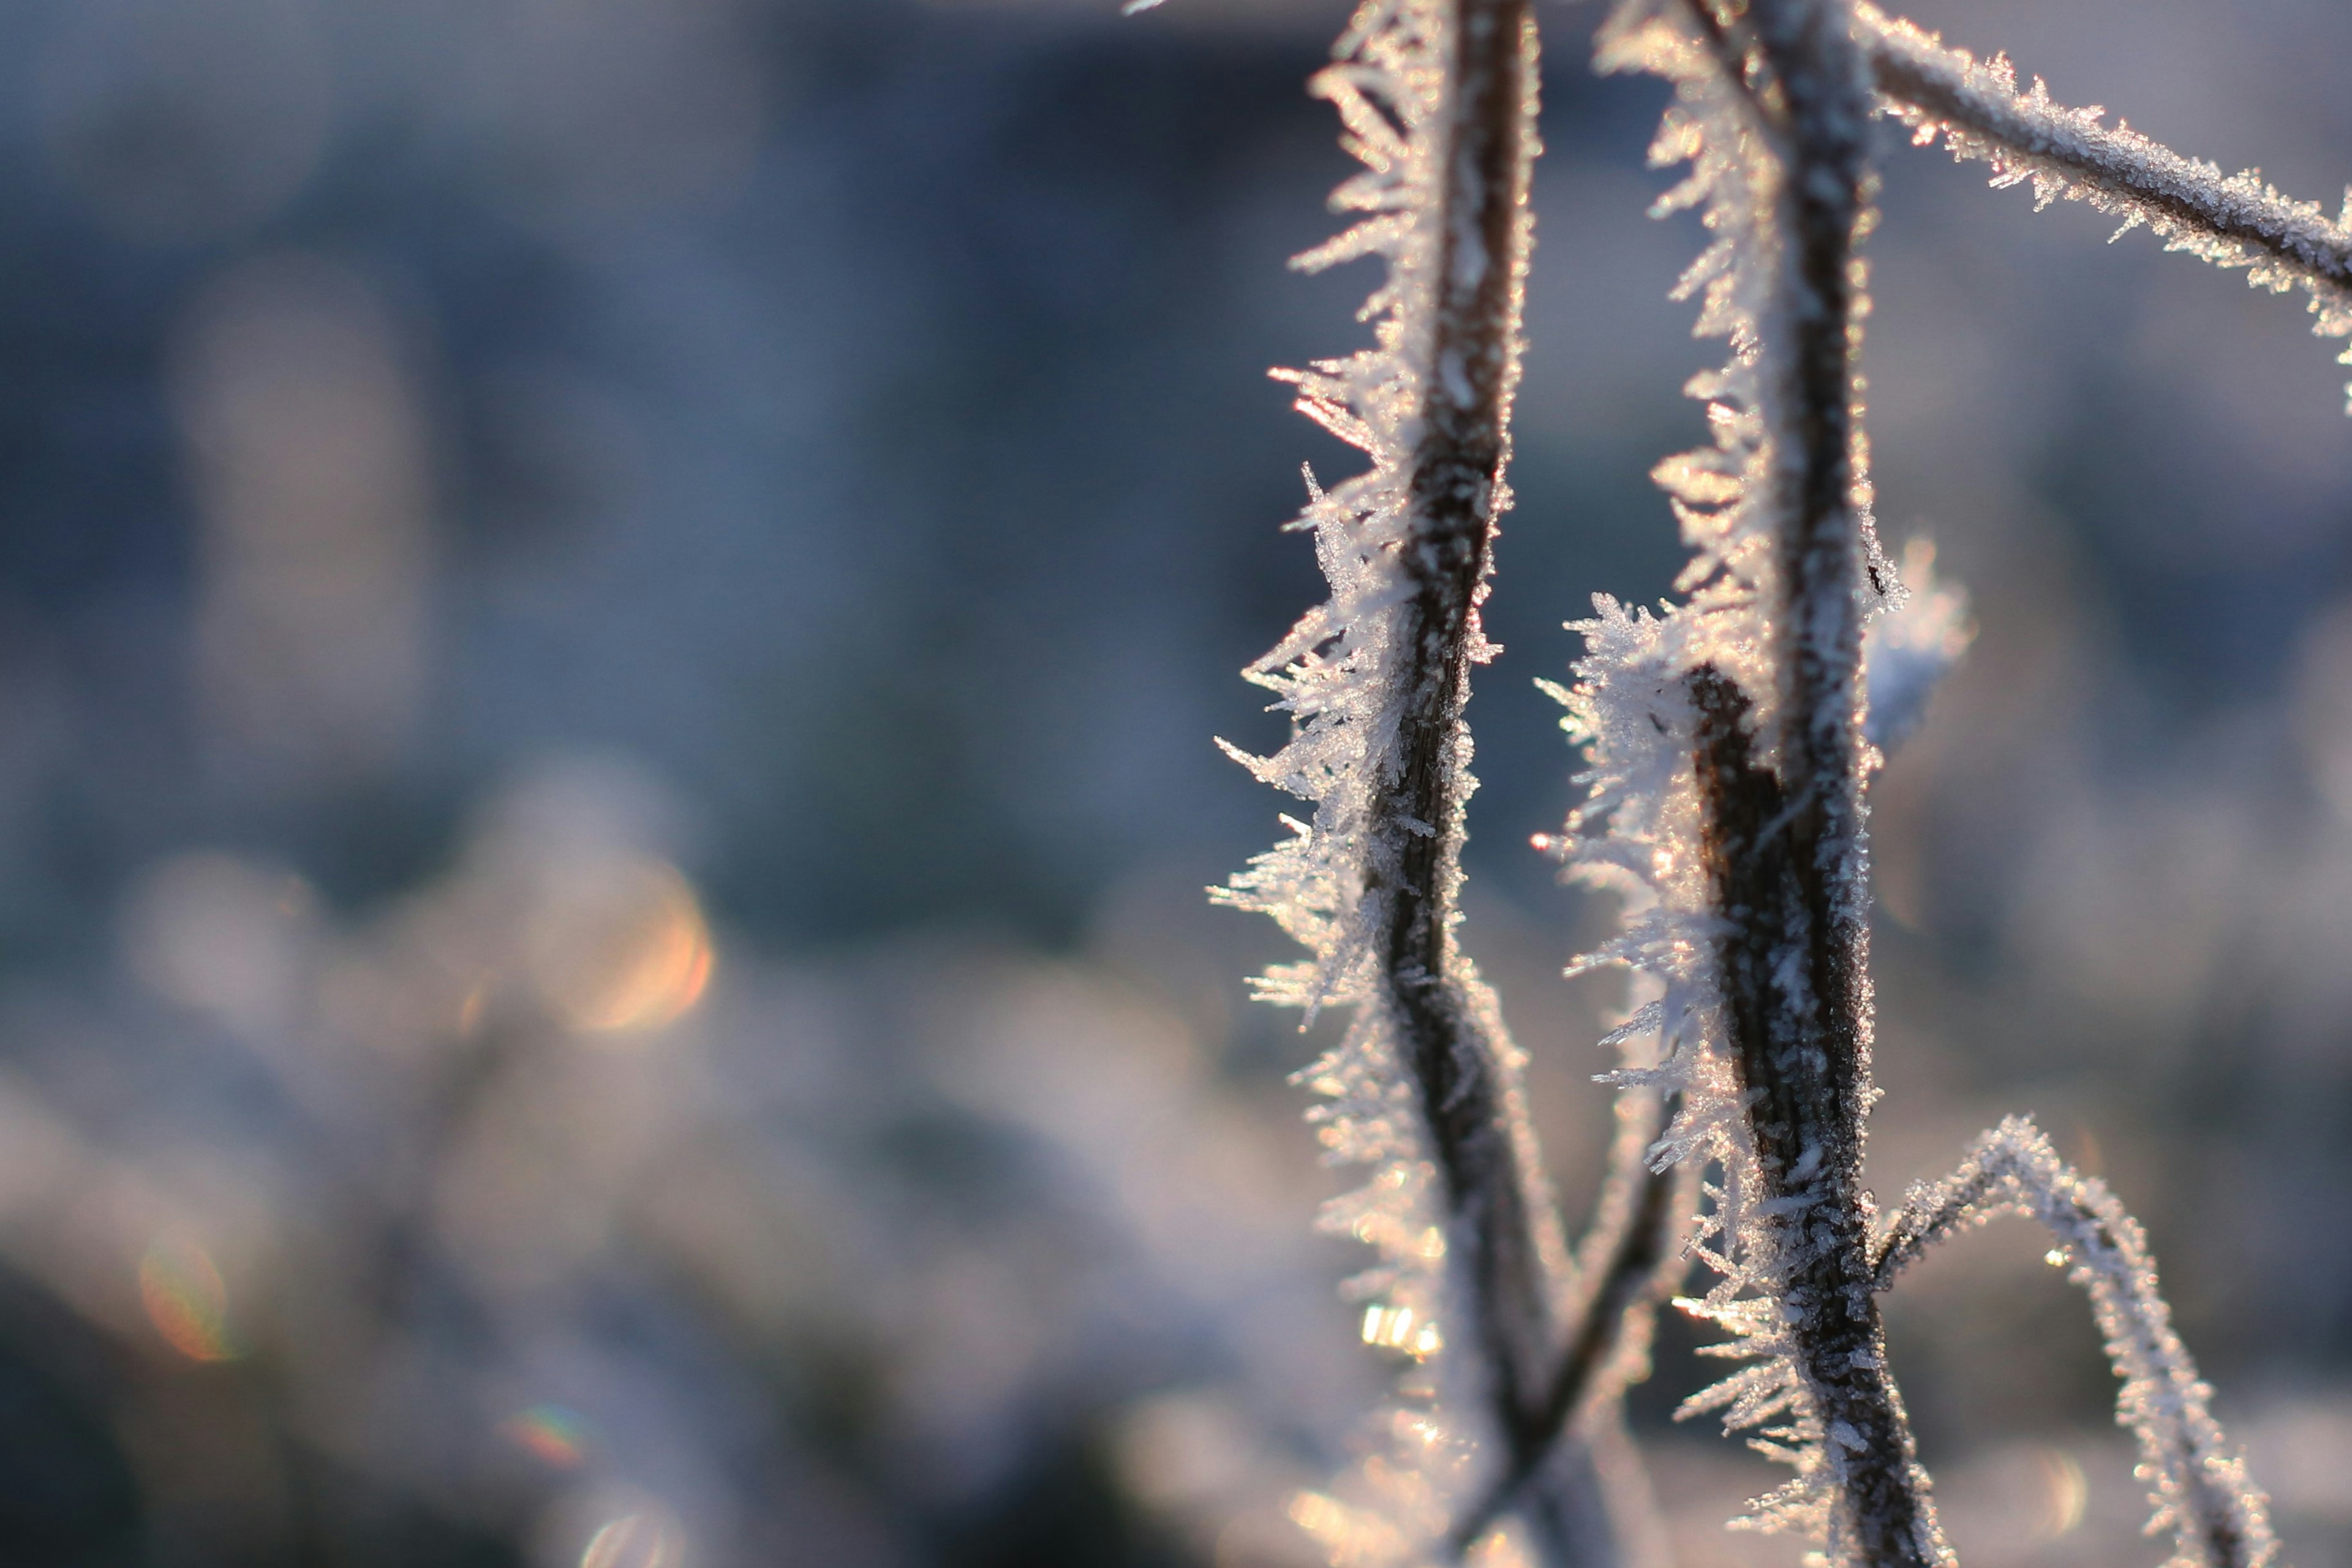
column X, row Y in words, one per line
column 621, row 947
column 644, row 1538
column 186, row 1300
column 2066, row 1492
column 551, row 1433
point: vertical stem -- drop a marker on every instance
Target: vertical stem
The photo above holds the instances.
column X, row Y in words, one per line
column 1500, row 1224
column 1784, row 837
column 1797, row 1006
column 1504, row 1232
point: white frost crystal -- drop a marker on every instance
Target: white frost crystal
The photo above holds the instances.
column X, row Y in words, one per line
column 1340, row 676
column 2196, row 1480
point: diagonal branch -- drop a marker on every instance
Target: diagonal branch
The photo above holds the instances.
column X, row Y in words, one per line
column 2237, row 220
column 2198, row 1482
column 1633, row 1259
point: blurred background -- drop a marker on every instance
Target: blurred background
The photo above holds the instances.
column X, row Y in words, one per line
column 611, row 615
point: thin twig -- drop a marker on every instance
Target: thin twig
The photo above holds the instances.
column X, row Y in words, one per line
column 2198, row 1482
column 1456, row 484
column 2125, row 172
column 1632, row 1272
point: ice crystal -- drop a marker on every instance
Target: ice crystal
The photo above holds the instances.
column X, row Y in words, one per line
column 1910, row 648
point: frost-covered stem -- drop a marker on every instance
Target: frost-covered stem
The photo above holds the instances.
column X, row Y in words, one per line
column 1438, row 100
column 1947, row 88
column 1456, row 484
column 1631, row 1259
column 1796, row 1008
column 1502, row 1231
column 1782, row 831
column 2198, row 1482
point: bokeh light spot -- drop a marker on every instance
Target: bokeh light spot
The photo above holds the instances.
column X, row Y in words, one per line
column 2065, row 1493
column 186, row 1300
column 552, row 1434
column 222, row 936
column 621, row 946
column 644, row 1538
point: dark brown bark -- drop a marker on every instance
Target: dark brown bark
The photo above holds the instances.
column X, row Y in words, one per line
column 1456, row 481
column 1783, row 812
column 1793, row 999
column 1639, row 1267
column 1504, row 1231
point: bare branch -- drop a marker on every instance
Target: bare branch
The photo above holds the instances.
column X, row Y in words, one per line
column 2198, row 1482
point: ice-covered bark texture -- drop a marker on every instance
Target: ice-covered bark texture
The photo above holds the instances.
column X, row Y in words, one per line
column 2197, row 1481
column 1629, row 1257
column 2235, row 220
column 1728, row 760
column 1730, row 737
column 1475, row 1284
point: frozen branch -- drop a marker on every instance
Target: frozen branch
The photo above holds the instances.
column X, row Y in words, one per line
column 1796, row 1005
column 1454, row 491
column 1629, row 1261
column 2235, row 220
column 1437, row 98
column 2198, row 1483
column 1729, row 763
column 1728, row 752
column 1783, row 844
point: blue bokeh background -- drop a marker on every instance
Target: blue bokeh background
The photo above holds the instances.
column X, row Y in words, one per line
column 611, row 615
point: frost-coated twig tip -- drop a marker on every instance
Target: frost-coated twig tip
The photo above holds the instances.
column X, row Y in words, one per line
column 2197, row 1480
column 2231, row 220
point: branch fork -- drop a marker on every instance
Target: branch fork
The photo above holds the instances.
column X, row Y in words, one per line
column 1729, row 761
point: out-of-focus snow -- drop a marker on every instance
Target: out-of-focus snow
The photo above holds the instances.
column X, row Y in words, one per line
column 1908, row 649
